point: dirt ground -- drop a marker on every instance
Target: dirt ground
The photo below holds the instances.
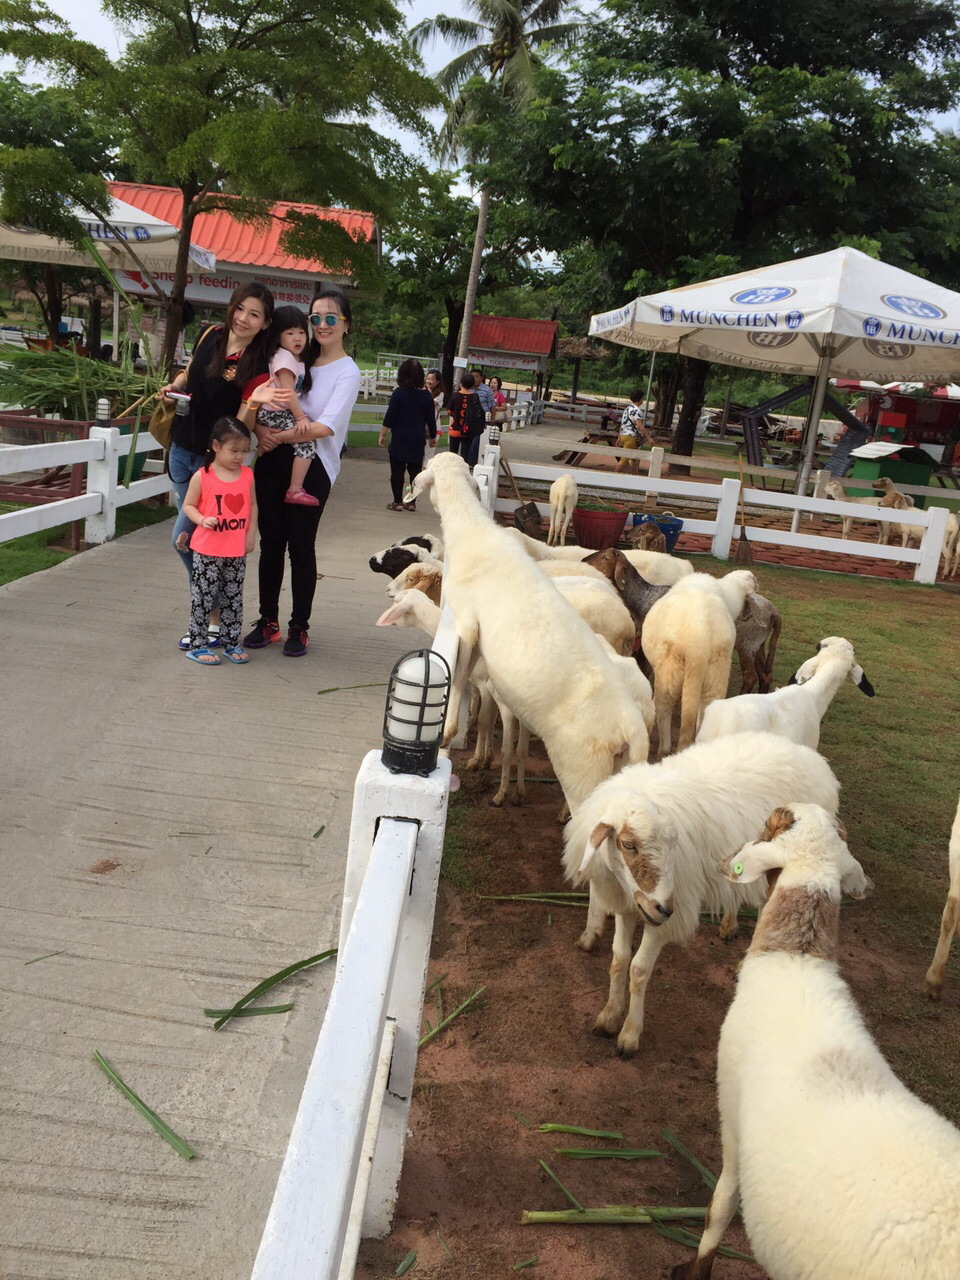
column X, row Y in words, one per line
column 471, row 1165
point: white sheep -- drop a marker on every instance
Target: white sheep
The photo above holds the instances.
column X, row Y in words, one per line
column 650, row 840
column 951, row 546
column 563, row 499
column 840, row 1171
column 951, row 916
column 796, row 710
column 688, row 639
column 659, row 569
column 545, row 662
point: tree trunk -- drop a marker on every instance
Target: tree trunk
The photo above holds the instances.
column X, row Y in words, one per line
column 94, row 326
column 174, row 312
column 667, row 384
column 694, row 385
column 454, row 321
column 576, row 381
column 473, row 279
column 52, row 306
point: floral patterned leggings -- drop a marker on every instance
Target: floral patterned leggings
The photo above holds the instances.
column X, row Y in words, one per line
column 216, row 580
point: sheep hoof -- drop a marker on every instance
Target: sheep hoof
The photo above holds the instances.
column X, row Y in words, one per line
column 473, row 763
column 496, row 801
column 728, row 935
column 934, row 990
column 517, row 799
column 627, row 1050
column 587, row 941
column 606, row 1026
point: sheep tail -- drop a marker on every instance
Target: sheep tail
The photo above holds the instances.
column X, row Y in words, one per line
column 772, row 647
column 691, row 697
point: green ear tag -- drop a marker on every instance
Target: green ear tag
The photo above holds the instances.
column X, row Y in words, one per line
column 738, row 868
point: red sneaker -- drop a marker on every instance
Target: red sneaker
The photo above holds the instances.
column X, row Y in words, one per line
column 264, row 633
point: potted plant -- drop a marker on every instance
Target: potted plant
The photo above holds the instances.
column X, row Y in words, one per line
column 598, row 523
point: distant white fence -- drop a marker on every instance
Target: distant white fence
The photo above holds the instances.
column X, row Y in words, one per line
column 102, row 453
column 723, row 526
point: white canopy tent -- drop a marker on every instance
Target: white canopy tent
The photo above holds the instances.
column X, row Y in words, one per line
column 834, row 315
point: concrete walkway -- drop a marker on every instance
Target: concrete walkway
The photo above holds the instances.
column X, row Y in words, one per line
column 159, row 829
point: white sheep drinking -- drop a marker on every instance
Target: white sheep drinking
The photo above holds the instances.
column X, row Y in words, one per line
column 658, row 568
column 563, row 499
column 950, row 921
column 688, row 639
column 545, row 662
column 841, row 1173
column 795, row 711
column 650, row 840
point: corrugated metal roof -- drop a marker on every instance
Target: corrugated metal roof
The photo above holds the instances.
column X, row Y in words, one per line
column 239, row 242
column 505, row 333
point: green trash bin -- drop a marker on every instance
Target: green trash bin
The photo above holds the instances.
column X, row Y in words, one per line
column 908, row 465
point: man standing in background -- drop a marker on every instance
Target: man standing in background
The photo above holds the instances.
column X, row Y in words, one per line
column 483, row 392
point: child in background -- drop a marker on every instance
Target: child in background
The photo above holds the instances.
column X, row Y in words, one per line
column 631, row 426
column 288, row 338
column 221, row 502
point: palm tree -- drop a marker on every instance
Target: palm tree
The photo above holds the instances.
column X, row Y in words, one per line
column 501, row 45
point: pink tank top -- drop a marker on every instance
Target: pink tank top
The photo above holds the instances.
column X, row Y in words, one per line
column 229, row 501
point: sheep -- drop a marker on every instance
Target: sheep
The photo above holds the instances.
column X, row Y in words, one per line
column 840, row 1171
column 647, row 536
column 892, row 497
column 546, row 664
column 758, row 629
column 422, row 548
column 951, row 916
column 688, row 639
column 563, row 499
column 796, row 710
column 951, row 546
column 661, row 570
column 638, row 595
column 650, row 840
column 418, row 576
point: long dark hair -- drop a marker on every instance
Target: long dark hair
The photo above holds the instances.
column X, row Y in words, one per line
column 285, row 318
column 343, row 302
column 252, row 357
column 223, row 429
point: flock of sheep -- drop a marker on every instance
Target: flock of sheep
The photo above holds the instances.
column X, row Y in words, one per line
column 841, row 1172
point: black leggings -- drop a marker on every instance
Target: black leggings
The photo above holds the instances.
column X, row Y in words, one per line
column 288, row 528
column 397, row 469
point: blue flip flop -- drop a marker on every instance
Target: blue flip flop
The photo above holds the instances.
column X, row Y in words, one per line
column 234, row 653
column 205, row 657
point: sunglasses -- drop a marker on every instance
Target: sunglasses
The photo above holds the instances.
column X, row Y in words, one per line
column 330, row 320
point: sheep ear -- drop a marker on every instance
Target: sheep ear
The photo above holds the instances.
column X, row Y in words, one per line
column 391, row 616
column 620, row 574
column 753, row 861
column 598, row 836
column 858, row 676
column 423, row 482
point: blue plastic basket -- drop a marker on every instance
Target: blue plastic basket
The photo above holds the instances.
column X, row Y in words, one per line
column 668, row 524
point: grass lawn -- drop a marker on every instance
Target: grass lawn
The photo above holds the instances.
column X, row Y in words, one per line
column 898, row 760
column 33, row 552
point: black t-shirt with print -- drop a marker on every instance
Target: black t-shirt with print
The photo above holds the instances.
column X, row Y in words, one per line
column 210, row 398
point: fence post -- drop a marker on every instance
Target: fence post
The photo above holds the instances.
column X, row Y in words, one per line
column 726, row 518
column 931, row 545
column 102, row 479
column 654, row 472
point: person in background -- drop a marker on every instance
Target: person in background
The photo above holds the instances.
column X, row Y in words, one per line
column 484, row 394
column 632, row 427
column 411, row 420
column 458, row 407
column 330, row 389
column 434, row 384
column 226, row 365
column 499, row 399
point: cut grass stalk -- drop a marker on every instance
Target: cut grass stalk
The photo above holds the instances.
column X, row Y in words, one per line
column 247, row 1013
column 37, row 959
column 527, row 1262
column 569, row 1194
column 445, row 1245
column 267, row 983
column 407, row 1263
column 319, row 831
column 342, row 688
column 611, row 1215
column 461, row 1008
column 584, row 1133
column 518, row 1115
column 606, row 1153
column 669, row 1136
column 680, row 1235
column 182, row 1148
column 435, row 983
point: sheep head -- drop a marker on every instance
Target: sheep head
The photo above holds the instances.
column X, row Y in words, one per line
column 807, row 846
column 637, row 852
column 834, row 647
column 418, row 577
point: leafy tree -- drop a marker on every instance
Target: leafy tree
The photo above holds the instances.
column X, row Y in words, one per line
column 431, row 260
column 689, row 139
column 500, row 47
column 264, row 99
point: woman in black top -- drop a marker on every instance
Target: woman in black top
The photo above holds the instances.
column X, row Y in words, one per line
column 411, row 419
column 226, row 363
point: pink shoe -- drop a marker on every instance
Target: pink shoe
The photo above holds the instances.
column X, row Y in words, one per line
column 301, row 498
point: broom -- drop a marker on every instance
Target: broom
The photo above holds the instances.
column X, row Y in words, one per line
column 743, row 553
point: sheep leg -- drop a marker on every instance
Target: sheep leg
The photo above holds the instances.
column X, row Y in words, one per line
column 473, row 715
column 467, row 655
column 749, row 664
column 729, row 924
column 561, row 541
column 509, row 722
column 486, row 719
column 663, row 705
column 523, row 751
column 611, row 1015
column 948, row 927
column 725, row 1200
column 641, row 970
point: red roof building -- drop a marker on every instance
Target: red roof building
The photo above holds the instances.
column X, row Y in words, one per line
column 244, row 251
column 493, row 336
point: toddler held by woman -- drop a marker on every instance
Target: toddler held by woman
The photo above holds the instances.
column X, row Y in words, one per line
column 288, row 339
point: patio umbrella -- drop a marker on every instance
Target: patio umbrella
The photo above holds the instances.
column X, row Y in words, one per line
column 833, row 315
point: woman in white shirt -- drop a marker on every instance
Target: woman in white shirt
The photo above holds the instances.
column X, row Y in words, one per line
column 330, row 389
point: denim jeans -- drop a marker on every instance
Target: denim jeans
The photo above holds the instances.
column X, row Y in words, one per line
column 182, row 466
column 470, row 451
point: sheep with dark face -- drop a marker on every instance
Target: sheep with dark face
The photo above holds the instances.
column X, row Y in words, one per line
column 423, row 547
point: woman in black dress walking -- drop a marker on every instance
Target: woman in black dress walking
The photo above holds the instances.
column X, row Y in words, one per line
column 411, row 420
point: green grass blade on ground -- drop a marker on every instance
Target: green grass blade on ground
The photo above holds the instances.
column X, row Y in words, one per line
column 269, row 983
column 181, row 1147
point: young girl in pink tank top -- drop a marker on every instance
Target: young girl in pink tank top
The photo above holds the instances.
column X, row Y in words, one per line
column 221, row 502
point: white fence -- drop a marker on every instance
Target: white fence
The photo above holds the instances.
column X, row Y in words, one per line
column 722, row 527
column 102, row 453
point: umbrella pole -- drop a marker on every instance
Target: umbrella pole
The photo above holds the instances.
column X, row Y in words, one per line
column 646, row 399
column 116, row 327
column 810, row 444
